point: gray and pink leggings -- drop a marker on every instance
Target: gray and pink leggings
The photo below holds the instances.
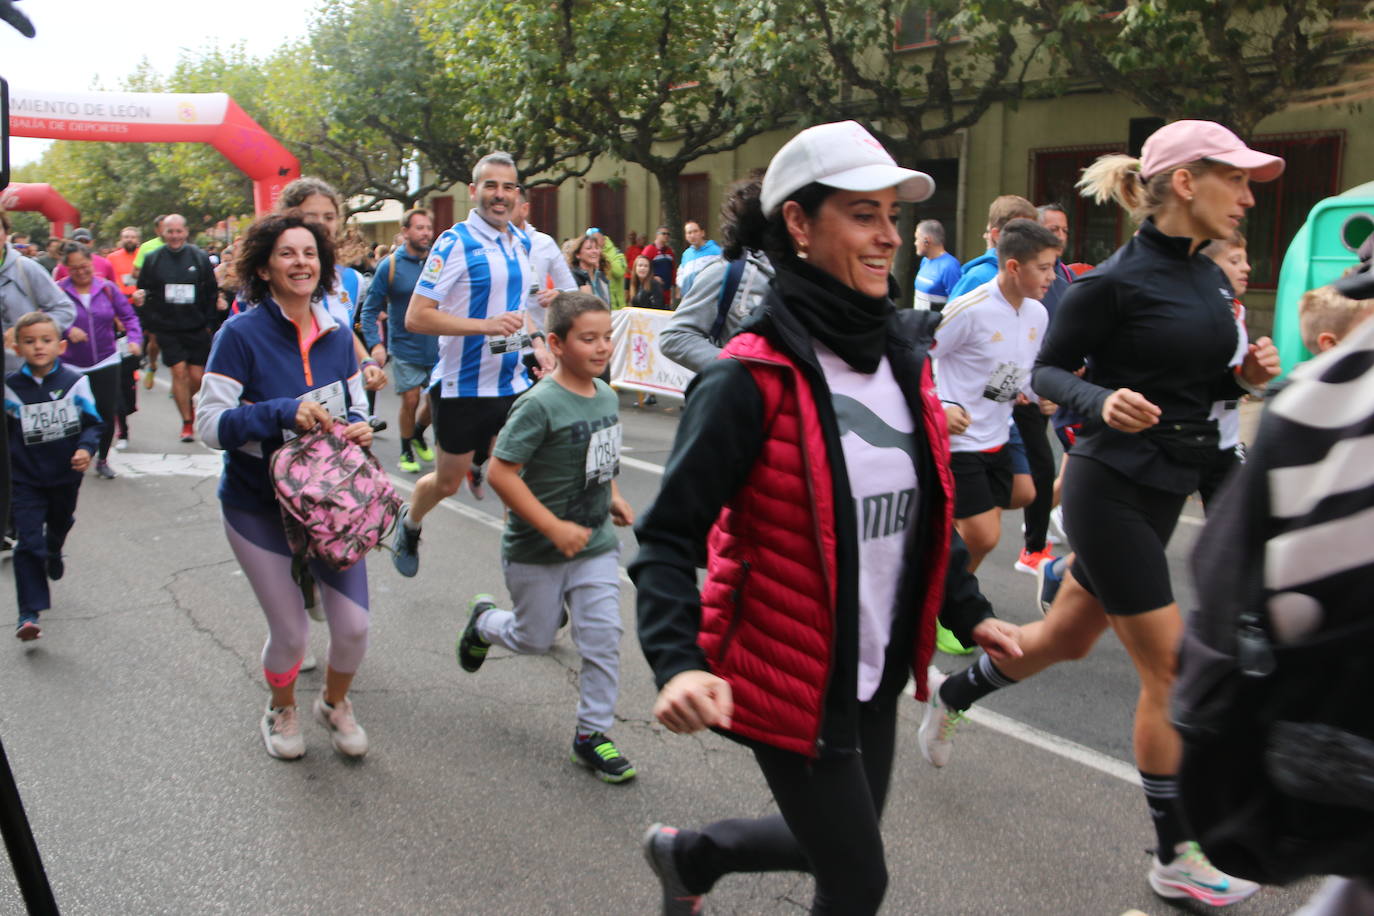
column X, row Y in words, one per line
column 259, row 544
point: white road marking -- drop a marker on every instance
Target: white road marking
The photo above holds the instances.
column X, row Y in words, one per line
column 1048, row 741
column 640, row 464
column 151, row 464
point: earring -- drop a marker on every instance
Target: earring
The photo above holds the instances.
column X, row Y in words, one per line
column 801, row 252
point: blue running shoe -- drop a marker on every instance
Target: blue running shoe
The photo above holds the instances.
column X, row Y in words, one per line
column 1048, row 577
column 405, row 546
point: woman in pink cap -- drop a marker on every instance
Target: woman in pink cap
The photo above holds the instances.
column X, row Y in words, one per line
column 1154, row 327
column 811, row 471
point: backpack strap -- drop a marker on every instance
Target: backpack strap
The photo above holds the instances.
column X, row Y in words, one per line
column 728, row 291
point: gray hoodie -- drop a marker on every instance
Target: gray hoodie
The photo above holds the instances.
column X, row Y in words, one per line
column 686, row 340
column 26, row 287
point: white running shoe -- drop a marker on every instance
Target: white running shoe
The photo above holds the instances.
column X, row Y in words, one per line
column 281, row 732
column 1057, row 520
column 309, row 663
column 936, row 734
column 348, row 736
column 1191, row 875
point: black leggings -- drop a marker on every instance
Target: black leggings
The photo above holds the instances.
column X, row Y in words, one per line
column 1031, row 423
column 1119, row 530
column 828, row 825
column 105, row 389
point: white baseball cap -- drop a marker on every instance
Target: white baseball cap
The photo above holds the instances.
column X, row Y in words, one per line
column 840, row 155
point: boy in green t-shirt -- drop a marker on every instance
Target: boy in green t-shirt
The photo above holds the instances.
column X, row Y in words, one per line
column 554, row 467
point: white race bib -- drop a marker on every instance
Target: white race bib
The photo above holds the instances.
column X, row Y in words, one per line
column 603, row 455
column 331, row 396
column 1004, row 383
column 50, row 421
column 512, row 344
column 179, row 293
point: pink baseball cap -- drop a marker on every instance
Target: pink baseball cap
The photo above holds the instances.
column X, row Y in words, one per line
column 839, row 155
column 1186, row 141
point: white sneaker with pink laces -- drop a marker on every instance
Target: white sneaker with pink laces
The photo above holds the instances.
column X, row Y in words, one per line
column 348, row 736
column 281, row 732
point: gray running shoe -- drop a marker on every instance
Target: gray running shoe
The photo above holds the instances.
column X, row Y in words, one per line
column 658, row 850
column 405, row 547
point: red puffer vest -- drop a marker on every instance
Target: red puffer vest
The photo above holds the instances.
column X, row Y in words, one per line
column 768, row 605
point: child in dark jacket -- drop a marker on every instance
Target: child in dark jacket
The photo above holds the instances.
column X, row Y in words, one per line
column 54, row 429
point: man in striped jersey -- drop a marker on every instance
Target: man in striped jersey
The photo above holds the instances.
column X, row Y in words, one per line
column 471, row 294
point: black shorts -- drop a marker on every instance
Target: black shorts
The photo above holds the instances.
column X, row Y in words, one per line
column 1120, row 529
column 183, row 347
column 982, row 481
column 463, row 425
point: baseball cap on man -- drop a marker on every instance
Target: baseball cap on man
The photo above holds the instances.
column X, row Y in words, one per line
column 1359, row 283
column 840, row 155
column 82, row 235
column 1187, row 141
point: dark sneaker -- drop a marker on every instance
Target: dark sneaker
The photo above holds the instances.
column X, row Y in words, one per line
column 599, row 754
column 1048, row 577
column 472, row 648
column 658, row 850
column 405, row 546
column 28, row 629
column 377, row 423
column 104, row 471
column 476, row 481
column 56, row 568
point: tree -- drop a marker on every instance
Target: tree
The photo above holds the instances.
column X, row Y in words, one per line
column 656, row 84
column 841, row 59
column 1231, row 61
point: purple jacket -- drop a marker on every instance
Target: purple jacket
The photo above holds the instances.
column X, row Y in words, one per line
column 107, row 303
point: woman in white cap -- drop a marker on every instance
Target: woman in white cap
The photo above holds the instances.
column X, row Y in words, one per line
column 811, row 470
column 1155, row 328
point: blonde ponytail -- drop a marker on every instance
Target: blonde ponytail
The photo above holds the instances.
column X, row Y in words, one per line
column 1117, row 177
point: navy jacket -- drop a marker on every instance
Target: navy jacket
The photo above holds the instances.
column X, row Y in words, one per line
column 49, row 420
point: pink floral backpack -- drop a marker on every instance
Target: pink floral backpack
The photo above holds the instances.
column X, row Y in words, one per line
column 336, row 501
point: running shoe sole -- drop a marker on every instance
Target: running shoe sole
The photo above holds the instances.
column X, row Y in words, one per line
column 28, row 631
column 1179, row 890
column 1040, row 602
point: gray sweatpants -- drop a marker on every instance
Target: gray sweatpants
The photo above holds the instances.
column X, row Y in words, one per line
column 591, row 588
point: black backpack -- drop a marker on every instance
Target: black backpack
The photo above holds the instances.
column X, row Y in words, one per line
column 1277, row 779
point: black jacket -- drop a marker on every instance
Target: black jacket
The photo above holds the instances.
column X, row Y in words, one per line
column 718, row 440
column 187, row 265
column 1157, row 320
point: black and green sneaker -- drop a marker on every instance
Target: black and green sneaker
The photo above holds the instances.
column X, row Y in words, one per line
column 472, row 648
column 599, row 754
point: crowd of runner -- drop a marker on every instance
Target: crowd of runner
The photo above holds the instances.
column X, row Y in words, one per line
column 840, row 467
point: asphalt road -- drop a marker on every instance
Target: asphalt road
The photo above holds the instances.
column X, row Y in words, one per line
column 132, row 730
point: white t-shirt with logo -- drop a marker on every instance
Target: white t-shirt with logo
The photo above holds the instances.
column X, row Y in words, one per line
column 984, row 353
column 878, row 438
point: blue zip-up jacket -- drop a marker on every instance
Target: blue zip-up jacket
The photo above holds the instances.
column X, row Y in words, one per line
column 259, row 369
column 62, row 411
column 976, row 272
column 393, row 297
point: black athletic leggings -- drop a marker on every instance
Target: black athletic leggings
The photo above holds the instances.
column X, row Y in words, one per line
column 828, row 825
column 105, row 389
column 1031, row 423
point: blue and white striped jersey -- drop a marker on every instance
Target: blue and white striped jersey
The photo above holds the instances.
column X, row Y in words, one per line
column 474, row 271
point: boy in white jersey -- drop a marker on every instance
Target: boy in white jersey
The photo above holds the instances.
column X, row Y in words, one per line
column 471, row 293
column 985, row 348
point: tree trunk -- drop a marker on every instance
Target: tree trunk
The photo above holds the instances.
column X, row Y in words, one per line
column 667, row 177
column 904, row 267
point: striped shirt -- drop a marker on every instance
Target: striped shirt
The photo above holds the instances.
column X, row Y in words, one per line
column 475, row 271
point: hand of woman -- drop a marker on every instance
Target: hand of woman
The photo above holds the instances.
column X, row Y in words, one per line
column 76, row 335
column 374, row 379
column 694, row 700
column 1261, row 363
column 360, row 432
column 310, row 414
column 1129, row 411
column 999, row 639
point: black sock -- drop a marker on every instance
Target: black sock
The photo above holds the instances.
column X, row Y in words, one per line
column 405, row 449
column 420, row 430
column 976, row 681
column 1161, row 796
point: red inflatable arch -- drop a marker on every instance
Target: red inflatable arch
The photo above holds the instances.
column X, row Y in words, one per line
column 41, row 198
column 153, row 117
